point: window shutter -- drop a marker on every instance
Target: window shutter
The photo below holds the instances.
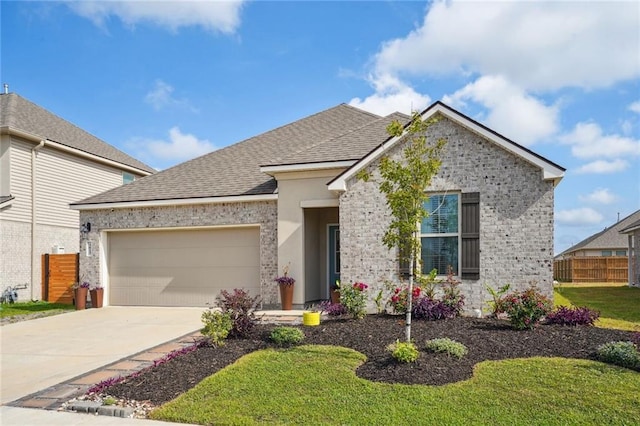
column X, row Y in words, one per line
column 470, row 250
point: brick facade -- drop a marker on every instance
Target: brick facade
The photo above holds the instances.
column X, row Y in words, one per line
column 516, row 217
column 263, row 213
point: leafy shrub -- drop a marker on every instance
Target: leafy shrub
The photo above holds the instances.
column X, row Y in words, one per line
column 286, row 336
column 497, row 302
column 624, row 354
column 448, row 346
column 404, row 351
column 573, row 316
column 354, row 299
column 526, row 308
column 453, row 300
column 217, row 326
column 241, row 308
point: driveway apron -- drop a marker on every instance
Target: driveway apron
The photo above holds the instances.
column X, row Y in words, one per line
column 43, row 352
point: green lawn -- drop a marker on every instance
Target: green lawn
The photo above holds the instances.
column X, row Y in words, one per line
column 23, row 308
column 619, row 305
column 317, row 385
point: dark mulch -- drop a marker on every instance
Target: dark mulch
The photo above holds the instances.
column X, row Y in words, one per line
column 486, row 339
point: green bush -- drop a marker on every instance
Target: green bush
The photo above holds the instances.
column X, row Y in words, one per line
column 448, row 346
column 624, row 354
column 526, row 308
column 354, row 299
column 404, row 351
column 286, row 336
column 217, row 326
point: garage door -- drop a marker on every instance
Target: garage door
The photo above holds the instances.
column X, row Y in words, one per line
column 182, row 268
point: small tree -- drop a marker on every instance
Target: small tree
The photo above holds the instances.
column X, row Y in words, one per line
column 403, row 183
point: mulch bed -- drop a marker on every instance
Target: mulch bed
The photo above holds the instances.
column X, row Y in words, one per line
column 486, row 339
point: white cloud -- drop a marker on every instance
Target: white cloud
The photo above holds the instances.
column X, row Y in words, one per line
column 578, row 217
column 161, row 96
column 603, row 167
column 599, row 196
column 222, row 16
column 635, row 107
column 391, row 95
column 178, row 148
column 587, row 141
column 512, row 112
column 539, row 45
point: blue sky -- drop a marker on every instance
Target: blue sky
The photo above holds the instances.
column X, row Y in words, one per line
column 167, row 81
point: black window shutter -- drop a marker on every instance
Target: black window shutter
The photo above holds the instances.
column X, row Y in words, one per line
column 470, row 250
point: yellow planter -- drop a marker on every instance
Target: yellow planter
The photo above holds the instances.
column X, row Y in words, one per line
column 311, row 318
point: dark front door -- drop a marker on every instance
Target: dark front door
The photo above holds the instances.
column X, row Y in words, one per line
column 334, row 254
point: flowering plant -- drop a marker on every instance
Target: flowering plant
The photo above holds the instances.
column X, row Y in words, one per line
column 526, row 308
column 354, row 299
column 84, row 284
column 399, row 299
column 285, row 279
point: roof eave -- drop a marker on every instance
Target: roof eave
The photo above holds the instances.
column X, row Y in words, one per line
column 306, row 167
column 8, row 130
column 173, row 202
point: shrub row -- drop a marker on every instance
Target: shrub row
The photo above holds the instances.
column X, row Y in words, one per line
column 407, row 352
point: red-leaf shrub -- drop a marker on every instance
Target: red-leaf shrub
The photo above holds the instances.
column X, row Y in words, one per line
column 573, row 316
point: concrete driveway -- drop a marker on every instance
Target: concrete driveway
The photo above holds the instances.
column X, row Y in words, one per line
column 40, row 353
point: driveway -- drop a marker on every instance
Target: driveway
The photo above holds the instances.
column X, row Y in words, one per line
column 40, row 353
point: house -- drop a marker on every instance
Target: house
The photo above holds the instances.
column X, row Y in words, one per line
column 608, row 242
column 290, row 197
column 632, row 231
column 45, row 164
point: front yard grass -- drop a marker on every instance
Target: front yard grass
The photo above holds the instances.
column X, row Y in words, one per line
column 618, row 304
column 27, row 308
column 318, row 385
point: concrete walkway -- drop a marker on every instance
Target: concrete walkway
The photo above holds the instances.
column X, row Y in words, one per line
column 15, row 416
column 40, row 353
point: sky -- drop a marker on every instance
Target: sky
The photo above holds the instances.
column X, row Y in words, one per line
column 166, row 81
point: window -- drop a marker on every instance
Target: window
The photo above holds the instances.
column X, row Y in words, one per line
column 127, row 178
column 439, row 233
column 606, row 253
column 621, row 252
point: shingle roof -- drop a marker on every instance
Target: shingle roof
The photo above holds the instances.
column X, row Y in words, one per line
column 607, row 239
column 18, row 113
column 632, row 227
column 235, row 170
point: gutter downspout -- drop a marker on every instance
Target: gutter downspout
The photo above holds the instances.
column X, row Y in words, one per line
column 33, row 217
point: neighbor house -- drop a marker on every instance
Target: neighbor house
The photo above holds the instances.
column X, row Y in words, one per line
column 632, row 232
column 608, row 242
column 45, row 164
column 291, row 197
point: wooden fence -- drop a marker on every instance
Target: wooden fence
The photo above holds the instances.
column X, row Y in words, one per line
column 59, row 272
column 592, row 269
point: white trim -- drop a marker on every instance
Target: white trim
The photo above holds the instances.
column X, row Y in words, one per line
column 175, row 202
column 447, row 234
column 183, row 228
column 306, row 204
column 550, row 171
column 79, row 153
column 326, row 165
column 7, row 203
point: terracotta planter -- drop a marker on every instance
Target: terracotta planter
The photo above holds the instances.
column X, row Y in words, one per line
column 286, row 296
column 311, row 318
column 81, row 298
column 335, row 296
column 96, row 297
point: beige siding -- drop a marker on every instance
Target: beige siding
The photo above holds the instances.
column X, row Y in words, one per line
column 20, row 182
column 63, row 179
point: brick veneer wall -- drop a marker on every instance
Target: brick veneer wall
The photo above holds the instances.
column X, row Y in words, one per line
column 516, row 217
column 263, row 213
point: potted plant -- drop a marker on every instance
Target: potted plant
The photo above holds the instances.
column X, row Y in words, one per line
column 80, row 295
column 97, row 295
column 312, row 316
column 334, row 292
column 285, row 282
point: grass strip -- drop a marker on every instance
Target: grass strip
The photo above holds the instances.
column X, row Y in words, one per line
column 318, row 385
column 25, row 308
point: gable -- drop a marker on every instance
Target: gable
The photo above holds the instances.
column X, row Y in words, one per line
column 550, row 171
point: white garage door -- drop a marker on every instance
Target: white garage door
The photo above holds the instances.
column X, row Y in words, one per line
column 182, row 268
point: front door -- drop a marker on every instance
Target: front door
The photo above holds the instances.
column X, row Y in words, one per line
column 334, row 254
